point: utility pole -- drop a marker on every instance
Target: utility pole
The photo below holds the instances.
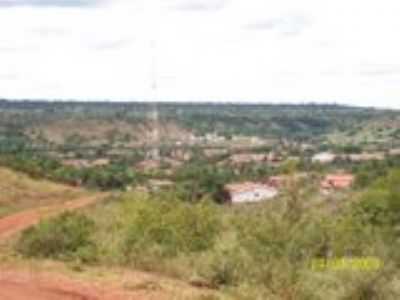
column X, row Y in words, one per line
column 152, row 11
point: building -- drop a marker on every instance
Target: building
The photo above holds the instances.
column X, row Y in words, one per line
column 76, row 163
column 394, row 152
column 283, row 181
column 148, row 165
column 244, row 158
column 274, row 158
column 337, row 182
column 172, row 163
column 181, row 154
column 277, row 181
column 215, row 152
column 156, row 184
column 323, row 158
column 84, row 163
column 100, row 162
column 214, row 138
column 365, row 157
column 249, row 192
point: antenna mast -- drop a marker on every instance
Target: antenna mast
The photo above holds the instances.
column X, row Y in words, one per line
column 155, row 153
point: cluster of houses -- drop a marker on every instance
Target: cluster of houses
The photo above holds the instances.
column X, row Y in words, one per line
column 253, row 192
column 328, row 157
column 248, row 192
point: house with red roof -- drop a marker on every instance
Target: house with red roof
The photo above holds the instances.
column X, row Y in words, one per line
column 337, row 182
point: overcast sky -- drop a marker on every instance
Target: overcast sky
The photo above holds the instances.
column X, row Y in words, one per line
column 345, row 51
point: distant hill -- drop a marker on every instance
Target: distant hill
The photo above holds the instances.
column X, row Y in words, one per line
column 127, row 124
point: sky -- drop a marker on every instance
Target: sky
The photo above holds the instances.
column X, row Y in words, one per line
column 342, row 51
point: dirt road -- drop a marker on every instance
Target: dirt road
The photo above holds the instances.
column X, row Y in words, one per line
column 38, row 284
column 15, row 223
column 24, row 286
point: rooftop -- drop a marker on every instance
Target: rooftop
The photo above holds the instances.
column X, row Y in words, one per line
column 246, row 187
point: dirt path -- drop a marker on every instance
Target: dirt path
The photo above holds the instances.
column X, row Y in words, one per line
column 15, row 223
column 25, row 285
column 33, row 283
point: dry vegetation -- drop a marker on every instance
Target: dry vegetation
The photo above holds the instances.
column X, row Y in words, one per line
column 97, row 131
column 19, row 191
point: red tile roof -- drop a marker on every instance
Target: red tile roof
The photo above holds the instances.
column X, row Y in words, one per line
column 340, row 181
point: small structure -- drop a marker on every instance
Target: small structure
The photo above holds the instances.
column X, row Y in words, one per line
column 394, row 152
column 172, row 163
column 84, row 163
column 148, row 165
column 365, row 157
column 76, row 163
column 306, row 147
column 323, row 158
column 244, row 158
column 100, row 162
column 277, row 181
column 274, row 158
column 214, row 138
column 158, row 184
column 215, row 152
column 180, row 154
column 249, row 192
column 337, row 182
column 282, row 181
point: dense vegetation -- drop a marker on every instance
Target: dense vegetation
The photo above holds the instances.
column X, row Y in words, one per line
column 115, row 176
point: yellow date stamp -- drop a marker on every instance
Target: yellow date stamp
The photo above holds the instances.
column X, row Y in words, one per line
column 346, row 263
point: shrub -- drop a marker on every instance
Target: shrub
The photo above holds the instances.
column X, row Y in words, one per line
column 166, row 228
column 380, row 204
column 65, row 237
column 226, row 268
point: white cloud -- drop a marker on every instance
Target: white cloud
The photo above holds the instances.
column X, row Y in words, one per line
column 243, row 50
column 45, row 3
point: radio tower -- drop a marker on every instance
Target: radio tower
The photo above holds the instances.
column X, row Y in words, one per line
column 155, row 136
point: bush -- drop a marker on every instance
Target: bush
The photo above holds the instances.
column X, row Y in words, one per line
column 65, row 237
column 167, row 228
column 380, row 204
column 226, row 268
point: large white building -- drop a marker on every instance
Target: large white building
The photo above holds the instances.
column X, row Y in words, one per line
column 249, row 192
column 324, row 158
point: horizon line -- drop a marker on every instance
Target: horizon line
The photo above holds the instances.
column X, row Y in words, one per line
column 213, row 102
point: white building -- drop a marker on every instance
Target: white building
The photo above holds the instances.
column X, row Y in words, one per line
column 249, row 192
column 324, row 158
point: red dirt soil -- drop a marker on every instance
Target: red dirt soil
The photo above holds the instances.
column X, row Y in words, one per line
column 15, row 223
column 23, row 285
